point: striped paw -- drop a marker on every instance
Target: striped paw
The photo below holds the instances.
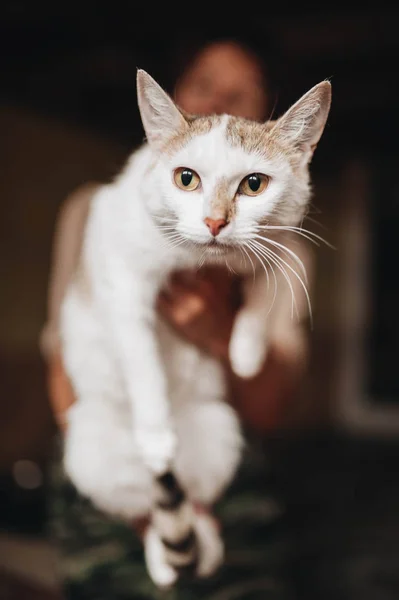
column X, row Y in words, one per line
column 189, row 537
column 173, row 517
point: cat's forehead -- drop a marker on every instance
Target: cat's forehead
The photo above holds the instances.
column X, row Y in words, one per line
column 197, row 128
column 250, row 136
column 209, row 141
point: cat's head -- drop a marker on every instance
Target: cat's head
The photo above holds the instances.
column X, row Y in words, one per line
column 221, row 180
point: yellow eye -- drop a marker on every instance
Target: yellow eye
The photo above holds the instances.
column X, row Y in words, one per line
column 186, row 179
column 254, row 184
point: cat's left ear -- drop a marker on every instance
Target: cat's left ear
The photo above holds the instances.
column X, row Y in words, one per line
column 303, row 124
column 160, row 116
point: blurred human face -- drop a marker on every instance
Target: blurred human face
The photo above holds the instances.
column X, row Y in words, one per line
column 223, row 79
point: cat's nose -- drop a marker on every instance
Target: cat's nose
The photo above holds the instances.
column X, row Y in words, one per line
column 215, row 226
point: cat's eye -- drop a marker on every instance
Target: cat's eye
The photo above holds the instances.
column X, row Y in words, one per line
column 254, row 184
column 186, row 179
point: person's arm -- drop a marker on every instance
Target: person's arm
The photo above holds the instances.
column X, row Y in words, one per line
column 67, row 242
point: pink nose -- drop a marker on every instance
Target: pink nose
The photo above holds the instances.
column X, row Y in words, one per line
column 215, row 225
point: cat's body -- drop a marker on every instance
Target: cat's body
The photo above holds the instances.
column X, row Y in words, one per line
column 148, row 402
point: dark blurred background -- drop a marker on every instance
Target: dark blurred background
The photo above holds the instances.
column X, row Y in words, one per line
column 68, row 114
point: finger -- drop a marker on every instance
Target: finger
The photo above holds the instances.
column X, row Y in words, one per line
column 178, row 291
column 217, row 283
column 183, row 310
column 211, row 283
column 194, row 277
column 186, row 278
column 61, row 394
column 179, row 283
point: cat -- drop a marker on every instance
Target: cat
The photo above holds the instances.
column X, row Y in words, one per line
column 151, row 431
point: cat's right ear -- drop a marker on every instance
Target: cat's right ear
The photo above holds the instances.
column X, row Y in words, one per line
column 159, row 114
column 303, row 124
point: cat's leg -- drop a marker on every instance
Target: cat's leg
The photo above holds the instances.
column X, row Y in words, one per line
column 273, row 306
column 209, row 552
column 101, row 453
column 160, row 571
column 129, row 303
column 249, row 339
column 102, row 460
column 209, row 451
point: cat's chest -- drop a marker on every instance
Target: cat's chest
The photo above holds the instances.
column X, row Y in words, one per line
column 182, row 261
column 158, row 265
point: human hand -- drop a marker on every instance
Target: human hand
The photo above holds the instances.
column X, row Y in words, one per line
column 60, row 391
column 201, row 307
column 202, row 310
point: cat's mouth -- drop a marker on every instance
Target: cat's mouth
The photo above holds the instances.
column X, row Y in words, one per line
column 217, row 248
column 212, row 246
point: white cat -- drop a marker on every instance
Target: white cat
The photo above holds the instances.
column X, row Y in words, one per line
column 151, row 424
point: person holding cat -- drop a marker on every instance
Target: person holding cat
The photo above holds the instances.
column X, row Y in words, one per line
column 212, row 83
column 223, row 78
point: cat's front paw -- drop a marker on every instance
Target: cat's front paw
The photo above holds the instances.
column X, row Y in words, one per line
column 157, row 447
column 247, row 354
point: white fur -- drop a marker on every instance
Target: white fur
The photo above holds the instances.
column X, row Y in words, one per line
column 146, row 399
column 163, row 575
column 211, row 549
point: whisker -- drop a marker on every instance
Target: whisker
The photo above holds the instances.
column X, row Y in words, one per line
column 273, row 109
column 286, row 251
column 174, row 236
column 229, row 268
column 315, row 221
column 175, row 240
column 251, row 261
column 166, row 219
column 300, row 281
column 167, row 227
column 177, row 244
column 267, row 272
column 249, row 245
column 290, row 230
column 306, row 233
column 242, row 256
column 166, row 238
column 201, row 259
column 270, row 265
column 273, row 257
